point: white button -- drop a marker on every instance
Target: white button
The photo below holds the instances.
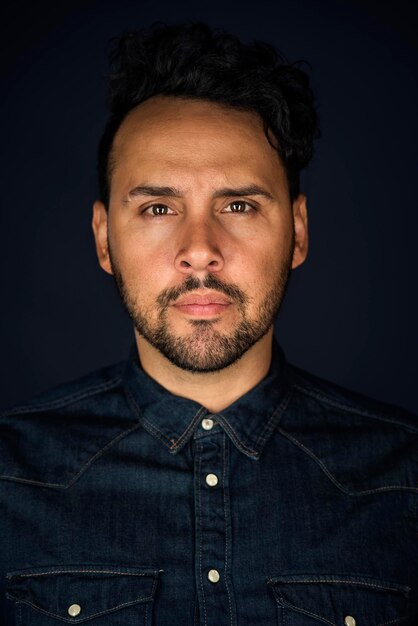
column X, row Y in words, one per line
column 74, row 610
column 212, row 480
column 213, row 575
column 207, row 423
column 349, row 621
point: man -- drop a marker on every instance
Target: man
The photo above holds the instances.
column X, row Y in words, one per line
column 205, row 480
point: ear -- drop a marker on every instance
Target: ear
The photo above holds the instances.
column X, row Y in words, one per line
column 99, row 225
column 300, row 220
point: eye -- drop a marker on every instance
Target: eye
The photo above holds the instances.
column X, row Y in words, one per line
column 238, row 206
column 157, row 210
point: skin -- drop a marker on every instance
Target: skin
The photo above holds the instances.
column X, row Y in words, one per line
column 199, row 148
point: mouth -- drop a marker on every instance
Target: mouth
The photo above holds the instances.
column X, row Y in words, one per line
column 207, row 305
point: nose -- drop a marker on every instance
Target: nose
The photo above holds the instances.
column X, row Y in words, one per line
column 199, row 249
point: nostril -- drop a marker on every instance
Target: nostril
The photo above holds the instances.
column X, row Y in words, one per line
column 185, row 264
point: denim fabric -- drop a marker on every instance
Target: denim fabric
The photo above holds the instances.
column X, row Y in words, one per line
column 107, row 517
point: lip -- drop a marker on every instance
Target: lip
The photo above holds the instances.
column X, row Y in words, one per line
column 201, row 300
column 207, row 305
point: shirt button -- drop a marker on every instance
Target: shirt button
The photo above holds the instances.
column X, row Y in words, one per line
column 349, row 621
column 74, row 610
column 213, row 575
column 212, row 480
column 207, row 423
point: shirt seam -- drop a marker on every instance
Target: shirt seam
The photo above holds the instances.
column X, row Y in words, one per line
column 349, row 581
column 149, row 426
column 274, row 419
column 331, row 476
column 90, row 461
column 53, row 572
column 64, row 401
column 173, row 444
column 351, row 409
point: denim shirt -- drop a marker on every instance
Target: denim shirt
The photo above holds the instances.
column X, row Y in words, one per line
column 125, row 505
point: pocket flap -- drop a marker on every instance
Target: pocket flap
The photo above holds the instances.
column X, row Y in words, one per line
column 90, row 591
column 331, row 599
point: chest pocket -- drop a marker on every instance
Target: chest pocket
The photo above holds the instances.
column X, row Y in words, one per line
column 339, row 601
column 97, row 595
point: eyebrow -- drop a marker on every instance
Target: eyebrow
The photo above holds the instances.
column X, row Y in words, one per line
column 250, row 190
column 172, row 192
column 147, row 190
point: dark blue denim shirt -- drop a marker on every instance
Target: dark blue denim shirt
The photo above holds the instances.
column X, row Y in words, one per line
column 124, row 505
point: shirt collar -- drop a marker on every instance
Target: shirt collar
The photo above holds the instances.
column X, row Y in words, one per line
column 171, row 419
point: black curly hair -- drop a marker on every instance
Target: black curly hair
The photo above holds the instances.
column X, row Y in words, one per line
column 194, row 61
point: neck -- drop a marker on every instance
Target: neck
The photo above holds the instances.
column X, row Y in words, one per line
column 213, row 390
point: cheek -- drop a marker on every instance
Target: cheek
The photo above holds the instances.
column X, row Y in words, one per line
column 145, row 268
column 265, row 257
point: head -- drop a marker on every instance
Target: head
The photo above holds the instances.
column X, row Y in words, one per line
column 200, row 218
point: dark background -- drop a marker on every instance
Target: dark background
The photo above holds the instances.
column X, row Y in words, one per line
column 351, row 311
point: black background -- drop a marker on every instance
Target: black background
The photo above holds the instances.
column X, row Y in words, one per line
column 351, row 310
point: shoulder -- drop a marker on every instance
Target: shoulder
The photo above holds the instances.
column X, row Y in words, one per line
column 72, row 393
column 51, row 439
column 363, row 445
column 317, row 391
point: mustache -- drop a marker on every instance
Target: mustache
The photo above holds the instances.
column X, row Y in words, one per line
column 192, row 283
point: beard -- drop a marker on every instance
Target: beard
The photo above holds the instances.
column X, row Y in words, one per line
column 205, row 349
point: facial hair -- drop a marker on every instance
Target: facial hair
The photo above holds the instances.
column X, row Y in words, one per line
column 205, row 349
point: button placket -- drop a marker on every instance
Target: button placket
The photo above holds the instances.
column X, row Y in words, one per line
column 213, row 530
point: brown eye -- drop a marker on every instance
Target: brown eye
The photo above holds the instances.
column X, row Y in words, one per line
column 158, row 210
column 239, row 206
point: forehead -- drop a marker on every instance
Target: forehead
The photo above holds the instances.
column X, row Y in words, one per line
column 168, row 136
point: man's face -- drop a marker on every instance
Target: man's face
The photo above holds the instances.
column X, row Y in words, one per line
column 200, row 234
